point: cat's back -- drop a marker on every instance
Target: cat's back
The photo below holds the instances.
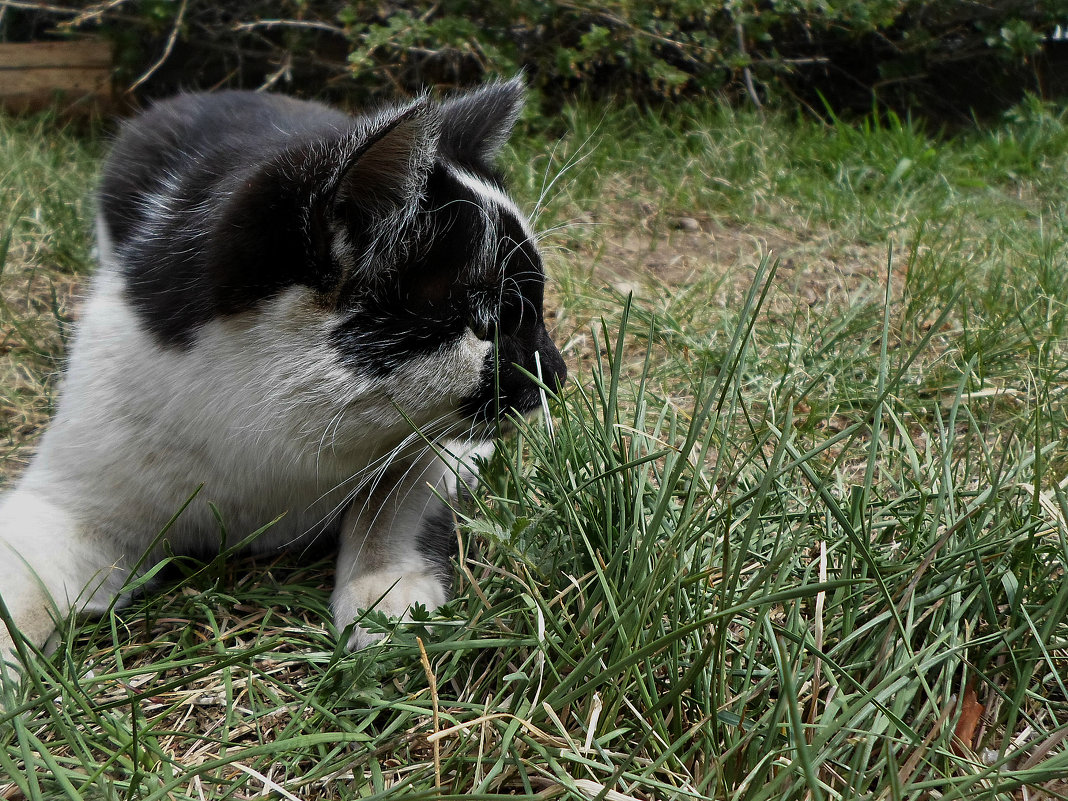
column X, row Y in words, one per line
column 222, row 125
column 224, row 122
column 201, row 141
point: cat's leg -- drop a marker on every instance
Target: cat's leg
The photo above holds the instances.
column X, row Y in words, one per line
column 396, row 544
column 51, row 565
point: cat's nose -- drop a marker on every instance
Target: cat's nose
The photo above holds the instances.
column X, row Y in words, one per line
column 560, row 371
column 553, row 369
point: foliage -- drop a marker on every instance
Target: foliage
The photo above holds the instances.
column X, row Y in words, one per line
column 898, row 50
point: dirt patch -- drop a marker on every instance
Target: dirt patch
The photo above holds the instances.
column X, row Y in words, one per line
column 813, row 266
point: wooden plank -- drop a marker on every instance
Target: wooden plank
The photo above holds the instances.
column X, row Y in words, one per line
column 38, row 75
column 14, row 83
column 88, row 53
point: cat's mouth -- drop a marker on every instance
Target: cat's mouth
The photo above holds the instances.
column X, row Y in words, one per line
column 516, row 382
column 498, row 415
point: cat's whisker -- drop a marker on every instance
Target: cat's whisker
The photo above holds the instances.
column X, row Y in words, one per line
column 374, row 472
column 438, row 449
column 335, row 422
column 367, row 477
column 370, row 472
column 545, row 184
column 369, row 526
column 325, row 521
column 456, row 202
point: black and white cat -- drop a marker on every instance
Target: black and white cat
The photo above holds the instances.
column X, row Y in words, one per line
column 316, row 317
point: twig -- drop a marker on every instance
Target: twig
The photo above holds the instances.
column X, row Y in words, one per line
column 166, row 50
column 31, row 6
column 268, row 784
column 611, row 19
column 432, row 679
column 746, row 74
column 556, row 742
column 1043, row 749
column 92, row 13
column 285, row 69
column 792, row 61
column 289, row 23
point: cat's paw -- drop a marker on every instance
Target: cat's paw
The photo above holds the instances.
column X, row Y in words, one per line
column 388, row 591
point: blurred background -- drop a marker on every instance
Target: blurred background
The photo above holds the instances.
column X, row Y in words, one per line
column 944, row 58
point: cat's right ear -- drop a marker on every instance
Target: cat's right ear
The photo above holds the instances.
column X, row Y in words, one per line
column 387, row 175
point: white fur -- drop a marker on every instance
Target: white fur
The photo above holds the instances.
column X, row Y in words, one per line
column 492, row 196
column 261, row 413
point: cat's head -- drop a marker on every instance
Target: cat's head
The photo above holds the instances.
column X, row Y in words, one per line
column 430, row 269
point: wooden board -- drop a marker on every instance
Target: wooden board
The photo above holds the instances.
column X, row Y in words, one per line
column 35, row 75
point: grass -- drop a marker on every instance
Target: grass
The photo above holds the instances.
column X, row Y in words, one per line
column 798, row 529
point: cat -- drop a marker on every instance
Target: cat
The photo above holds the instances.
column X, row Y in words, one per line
column 317, row 319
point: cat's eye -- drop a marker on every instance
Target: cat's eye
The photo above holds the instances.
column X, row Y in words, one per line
column 481, row 328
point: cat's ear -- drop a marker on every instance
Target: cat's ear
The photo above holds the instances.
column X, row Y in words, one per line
column 475, row 125
column 388, row 173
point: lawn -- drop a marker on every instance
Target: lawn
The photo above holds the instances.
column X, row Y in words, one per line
column 797, row 529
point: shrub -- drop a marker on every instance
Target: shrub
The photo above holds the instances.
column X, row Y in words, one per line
column 933, row 52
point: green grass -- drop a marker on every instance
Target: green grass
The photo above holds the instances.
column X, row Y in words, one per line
column 796, row 516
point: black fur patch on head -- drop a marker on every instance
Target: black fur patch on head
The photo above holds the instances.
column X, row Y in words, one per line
column 428, row 305
column 204, row 199
column 521, row 343
column 214, row 203
column 475, row 267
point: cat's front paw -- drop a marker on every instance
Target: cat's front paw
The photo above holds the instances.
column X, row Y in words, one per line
column 390, row 592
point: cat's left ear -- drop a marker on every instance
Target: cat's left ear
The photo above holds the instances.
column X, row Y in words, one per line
column 388, row 173
column 475, row 125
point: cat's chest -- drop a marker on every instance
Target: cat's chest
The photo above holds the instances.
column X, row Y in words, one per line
column 289, row 510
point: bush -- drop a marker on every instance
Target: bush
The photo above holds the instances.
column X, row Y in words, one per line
column 901, row 52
